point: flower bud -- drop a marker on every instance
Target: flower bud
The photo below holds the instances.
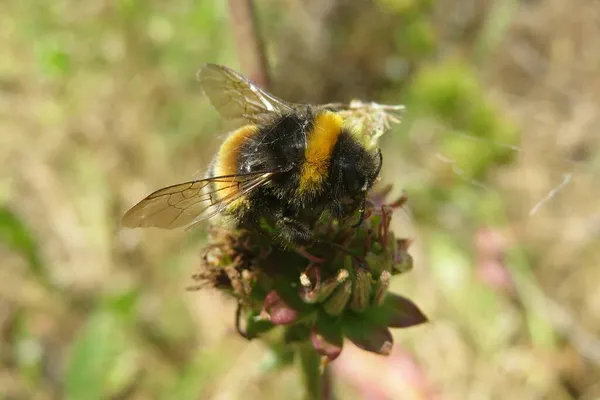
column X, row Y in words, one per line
column 322, row 290
column 378, row 262
column 310, row 283
column 403, row 261
column 381, row 287
column 361, row 292
column 336, row 303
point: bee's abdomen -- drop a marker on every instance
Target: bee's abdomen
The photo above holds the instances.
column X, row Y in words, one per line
column 227, row 159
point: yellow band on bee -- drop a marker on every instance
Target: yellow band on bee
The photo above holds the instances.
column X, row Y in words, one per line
column 321, row 140
column 226, row 163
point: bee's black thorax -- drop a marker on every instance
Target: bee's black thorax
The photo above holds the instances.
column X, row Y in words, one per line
column 277, row 146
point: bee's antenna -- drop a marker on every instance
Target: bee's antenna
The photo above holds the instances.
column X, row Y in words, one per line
column 380, row 162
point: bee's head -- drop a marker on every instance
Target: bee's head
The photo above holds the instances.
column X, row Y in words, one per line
column 354, row 170
column 359, row 174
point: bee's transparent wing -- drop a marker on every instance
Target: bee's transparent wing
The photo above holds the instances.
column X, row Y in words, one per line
column 190, row 202
column 235, row 96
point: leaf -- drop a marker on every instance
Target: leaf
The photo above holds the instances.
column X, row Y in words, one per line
column 193, row 379
column 280, row 356
column 93, row 356
column 256, row 327
column 376, row 339
column 124, row 304
column 328, row 340
column 17, row 237
column 402, row 312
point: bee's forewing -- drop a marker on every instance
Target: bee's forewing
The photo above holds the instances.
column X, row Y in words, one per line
column 170, row 207
column 234, row 96
column 187, row 203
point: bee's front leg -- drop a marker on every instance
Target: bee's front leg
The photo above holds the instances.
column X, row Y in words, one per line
column 290, row 229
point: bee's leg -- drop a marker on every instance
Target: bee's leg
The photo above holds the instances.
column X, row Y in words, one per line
column 341, row 209
column 337, row 209
column 362, row 209
column 290, row 230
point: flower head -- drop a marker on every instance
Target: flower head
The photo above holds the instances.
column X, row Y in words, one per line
column 333, row 289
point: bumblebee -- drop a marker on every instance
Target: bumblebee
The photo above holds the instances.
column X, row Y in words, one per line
column 291, row 165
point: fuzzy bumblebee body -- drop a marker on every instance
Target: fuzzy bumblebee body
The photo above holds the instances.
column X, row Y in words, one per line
column 290, row 166
column 322, row 169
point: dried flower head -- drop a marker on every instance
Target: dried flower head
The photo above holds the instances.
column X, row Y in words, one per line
column 333, row 289
column 371, row 119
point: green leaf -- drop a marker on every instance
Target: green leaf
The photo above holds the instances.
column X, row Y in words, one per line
column 197, row 375
column 15, row 235
column 124, row 304
column 53, row 60
column 94, row 354
column 26, row 349
column 257, row 327
column 280, row 355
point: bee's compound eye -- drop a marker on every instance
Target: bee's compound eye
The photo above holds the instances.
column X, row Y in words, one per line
column 353, row 179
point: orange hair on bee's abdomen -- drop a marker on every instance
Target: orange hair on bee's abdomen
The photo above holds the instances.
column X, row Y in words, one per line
column 226, row 160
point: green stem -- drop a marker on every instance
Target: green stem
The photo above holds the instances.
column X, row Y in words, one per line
column 314, row 381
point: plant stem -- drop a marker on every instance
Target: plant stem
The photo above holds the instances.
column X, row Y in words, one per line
column 249, row 42
column 316, row 383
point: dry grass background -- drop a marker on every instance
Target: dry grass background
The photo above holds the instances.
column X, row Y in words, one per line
column 99, row 106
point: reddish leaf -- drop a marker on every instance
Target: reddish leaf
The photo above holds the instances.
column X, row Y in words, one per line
column 376, row 340
column 328, row 343
column 402, row 312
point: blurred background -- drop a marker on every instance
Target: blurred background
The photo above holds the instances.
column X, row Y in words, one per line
column 498, row 152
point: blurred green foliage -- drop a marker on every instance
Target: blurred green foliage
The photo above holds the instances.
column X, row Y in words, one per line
column 16, row 235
